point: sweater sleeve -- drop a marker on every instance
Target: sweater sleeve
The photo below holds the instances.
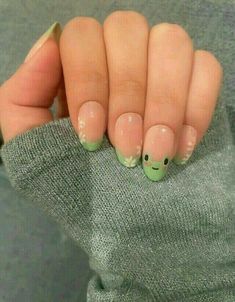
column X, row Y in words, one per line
column 146, row 241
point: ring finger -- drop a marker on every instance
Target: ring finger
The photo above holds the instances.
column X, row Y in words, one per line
column 169, row 71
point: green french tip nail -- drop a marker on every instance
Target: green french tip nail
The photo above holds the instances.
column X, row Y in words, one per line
column 155, row 170
column 179, row 161
column 92, row 146
column 129, row 162
column 55, row 31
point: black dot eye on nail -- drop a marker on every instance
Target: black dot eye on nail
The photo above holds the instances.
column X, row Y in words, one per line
column 166, row 161
column 146, row 157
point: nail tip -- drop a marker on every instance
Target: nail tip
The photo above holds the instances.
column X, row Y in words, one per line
column 179, row 162
column 55, row 25
column 92, row 146
column 127, row 166
column 55, row 31
column 127, row 162
column 155, row 179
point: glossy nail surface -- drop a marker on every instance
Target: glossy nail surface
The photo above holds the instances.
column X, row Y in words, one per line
column 91, row 125
column 157, row 151
column 53, row 32
column 187, row 142
column 128, row 138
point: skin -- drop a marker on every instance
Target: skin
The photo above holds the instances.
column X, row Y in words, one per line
column 180, row 78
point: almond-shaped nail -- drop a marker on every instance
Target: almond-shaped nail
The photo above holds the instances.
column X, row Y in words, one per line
column 157, row 151
column 128, row 138
column 187, row 142
column 53, row 32
column 91, row 125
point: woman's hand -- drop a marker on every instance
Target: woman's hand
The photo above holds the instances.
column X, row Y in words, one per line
column 153, row 93
column 167, row 242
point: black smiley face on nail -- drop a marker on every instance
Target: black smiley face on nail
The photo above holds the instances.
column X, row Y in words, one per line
column 165, row 162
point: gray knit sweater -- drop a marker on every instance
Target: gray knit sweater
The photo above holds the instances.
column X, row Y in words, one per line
column 168, row 241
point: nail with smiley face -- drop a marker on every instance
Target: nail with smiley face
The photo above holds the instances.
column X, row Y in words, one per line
column 158, row 151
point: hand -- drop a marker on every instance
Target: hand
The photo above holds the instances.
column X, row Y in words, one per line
column 153, row 93
column 167, row 242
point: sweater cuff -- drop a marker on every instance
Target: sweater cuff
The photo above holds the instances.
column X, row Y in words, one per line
column 19, row 153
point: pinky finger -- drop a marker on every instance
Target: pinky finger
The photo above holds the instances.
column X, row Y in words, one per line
column 203, row 95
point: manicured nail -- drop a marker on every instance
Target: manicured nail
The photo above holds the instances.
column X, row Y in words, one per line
column 157, row 151
column 91, row 125
column 128, row 138
column 53, row 32
column 187, row 141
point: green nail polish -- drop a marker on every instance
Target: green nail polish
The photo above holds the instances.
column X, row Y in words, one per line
column 129, row 162
column 91, row 146
column 155, row 170
column 179, row 161
column 91, row 125
column 54, row 32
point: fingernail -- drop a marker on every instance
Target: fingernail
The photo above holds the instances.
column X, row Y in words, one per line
column 128, row 138
column 91, row 125
column 157, row 151
column 53, row 32
column 187, row 142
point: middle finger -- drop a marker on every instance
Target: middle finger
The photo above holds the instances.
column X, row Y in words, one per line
column 126, row 40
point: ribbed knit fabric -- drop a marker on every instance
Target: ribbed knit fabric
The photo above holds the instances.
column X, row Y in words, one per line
column 147, row 241
column 168, row 241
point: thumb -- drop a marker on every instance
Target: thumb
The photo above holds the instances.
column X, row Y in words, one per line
column 26, row 97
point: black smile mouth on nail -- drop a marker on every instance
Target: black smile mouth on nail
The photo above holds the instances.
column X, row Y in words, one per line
column 155, row 168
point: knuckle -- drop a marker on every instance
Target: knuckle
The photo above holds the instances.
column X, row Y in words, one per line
column 128, row 87
column 170, row 98
column 125, row 17
column 93, row 76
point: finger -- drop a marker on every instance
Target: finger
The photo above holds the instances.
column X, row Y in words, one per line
column 86, row 79
column 203, row 94
column 27, row 96
column 61, row 101
column 126, row 40
column 169, row 71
